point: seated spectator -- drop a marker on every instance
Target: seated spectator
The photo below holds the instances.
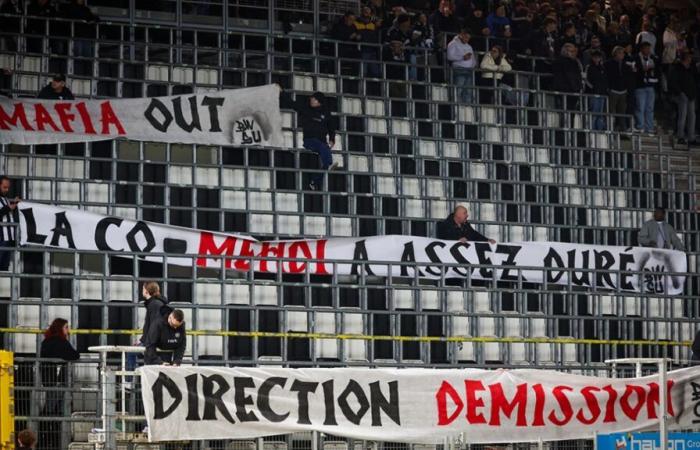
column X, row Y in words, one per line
column 368, row 26
column 463, row 60
column 56, row 89
column 457, row 228
column 83, row 32
column 683, row 85
column 169, row 334
column 498, row 23
column 597, row 84
column 620, row 78
column 658, row 233
column 596, row 46
column 494, row 64
column 648, row 71
column 26, row 440
column 566, row 71
column 345, row 30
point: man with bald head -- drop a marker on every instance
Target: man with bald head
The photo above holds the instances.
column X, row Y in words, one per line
column 457, row 228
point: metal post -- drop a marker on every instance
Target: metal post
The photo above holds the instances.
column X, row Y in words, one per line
column 638, row 369
column 663, row 433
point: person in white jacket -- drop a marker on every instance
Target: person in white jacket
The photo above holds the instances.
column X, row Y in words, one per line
column 463, row 60
column 494, row 65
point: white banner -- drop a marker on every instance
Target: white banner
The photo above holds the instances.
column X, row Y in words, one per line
column 248, row 116
column 601, row 267
column 408, row 405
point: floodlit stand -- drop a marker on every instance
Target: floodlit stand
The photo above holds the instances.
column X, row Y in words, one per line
column 661, row 364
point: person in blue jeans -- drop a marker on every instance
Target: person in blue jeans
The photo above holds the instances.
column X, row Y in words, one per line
column 647, row 69
column 318, row 126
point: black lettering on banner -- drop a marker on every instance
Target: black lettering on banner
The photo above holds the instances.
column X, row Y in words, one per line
column 457, row 255
column 213, row 103
column 101, row 233
column 164, row 382
column 160, row 125
column 329, row 400
column 584, row 279
column 172, row 245
column 380, row 403
column 604, row 260
column 433, row 257
column 409, row 256
column 62, row 228
column 180, row 118
column 264, row 399
column 550, row 258
column 654, row 279
column 360, row 254
column 240, row 384
column 303, row 389
column 243, row 126
column 696, row 398
column 354, row 388
column 32, row 236
column 147, row 234
column 626, row 259
column 512, row 251
column 212, row 398
column 481, row 249
column 192, row 398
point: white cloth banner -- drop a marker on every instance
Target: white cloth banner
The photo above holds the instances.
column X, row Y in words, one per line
column 602, row 267
column 248, row 116
column 408, row 405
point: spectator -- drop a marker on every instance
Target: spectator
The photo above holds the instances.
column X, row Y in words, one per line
column 567, row 77
column 318, row 126
column 590, row 26
column 600, row 20
column 423, row 32
column 368, row 26
column 625, row 30
column 614, row 38
column 156, row 308
column 659, row 234
column 647, row 70
column 56, row 89
column 646, row 36
column 456, row 228
column 167, row 333
column 498, row 23
column 8, row 216
column 461, row 55
column 546, row 39
column 476, row 23
column 26, row 440
column 55, row 375
column 84, row 33
column 345, row 30
column 670, row 43
column 10, row 25
column 596, row 46
column 494, row 65
column 568, row 36
column 620, row 77
column 444, row 23
column 401, row 32
column 597, row 84
column 683, row 85
column 522, row 30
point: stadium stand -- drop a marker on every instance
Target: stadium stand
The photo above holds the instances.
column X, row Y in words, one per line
column 532, row 172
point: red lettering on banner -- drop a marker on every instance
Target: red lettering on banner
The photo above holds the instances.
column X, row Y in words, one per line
column 43, row 118
column 446, row 390
column 207, row 246
column 564, row 405
column 18, row 115
column 473, row 403
column 85, row 117
column 110, row 118
column 539, row 405
column 294, row 248
column 321, row 256
column 591, row 403
column 610, row 404
column 63, row 115
column 633, row 411
column 500, row 403
column 246, row 250
column 270, row 250
column 653, row 399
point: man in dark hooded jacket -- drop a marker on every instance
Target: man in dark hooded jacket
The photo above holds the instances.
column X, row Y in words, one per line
column 456, row 228
column 318, row 126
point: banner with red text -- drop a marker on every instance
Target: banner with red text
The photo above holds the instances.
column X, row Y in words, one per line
column 408, row 405
column 248, row 116
column 635, row 269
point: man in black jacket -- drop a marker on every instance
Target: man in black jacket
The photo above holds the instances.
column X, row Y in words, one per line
column 683, row 84
column 597, row 84
column 166, row 334
column 8, row 216
column 156, row 306
column 648, row 70
column 456, row 228
column 56, row 89
column 620, row 78
column 318, row 125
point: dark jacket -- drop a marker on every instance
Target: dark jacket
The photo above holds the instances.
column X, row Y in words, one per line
column 444, row 24
column 651, row 76
column 450, row 231
column 596, row 81
column 53, row 373
column 162, row 336
column 684, row 80
column 154, row 313
column 567, row 75
column 544, row 44
column 316, row 123
column 49, row 94
column 619, row 74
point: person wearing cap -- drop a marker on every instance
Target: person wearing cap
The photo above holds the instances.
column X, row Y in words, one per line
column 318, row 126
column 658, row 233
column 620, row 77
column 56, row 89
column 457, row 228
column 597, row 84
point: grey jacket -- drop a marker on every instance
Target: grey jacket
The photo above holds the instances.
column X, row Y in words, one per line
column 650, row 230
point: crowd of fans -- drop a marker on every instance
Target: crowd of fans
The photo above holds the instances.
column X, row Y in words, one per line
column 634, row 60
